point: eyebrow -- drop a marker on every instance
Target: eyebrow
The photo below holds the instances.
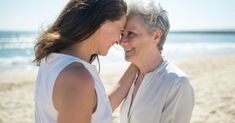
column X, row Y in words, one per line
column 121, row 27
column 131, row 28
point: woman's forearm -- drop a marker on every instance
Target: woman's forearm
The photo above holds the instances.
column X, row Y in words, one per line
column 123, row 86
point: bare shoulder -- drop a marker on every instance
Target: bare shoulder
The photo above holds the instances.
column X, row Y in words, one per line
column 76, row 71
column 76, row 77
column 73, row 86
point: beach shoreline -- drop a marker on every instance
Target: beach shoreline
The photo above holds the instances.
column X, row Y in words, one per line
column 212, row 79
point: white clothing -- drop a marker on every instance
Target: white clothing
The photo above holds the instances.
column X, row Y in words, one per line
column 49, row 70
column 164, row 96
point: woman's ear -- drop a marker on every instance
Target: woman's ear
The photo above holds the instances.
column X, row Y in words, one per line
column 157, row 35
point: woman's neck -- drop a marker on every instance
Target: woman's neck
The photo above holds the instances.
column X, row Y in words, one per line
column 149, row 63
column 82, row 50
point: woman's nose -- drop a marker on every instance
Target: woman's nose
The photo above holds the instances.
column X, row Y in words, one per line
column 123, row 41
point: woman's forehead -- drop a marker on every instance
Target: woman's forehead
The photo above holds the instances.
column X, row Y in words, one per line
column 134, row 24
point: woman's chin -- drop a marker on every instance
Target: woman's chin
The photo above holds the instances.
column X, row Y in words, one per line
column 105, row 53
column 128, row 59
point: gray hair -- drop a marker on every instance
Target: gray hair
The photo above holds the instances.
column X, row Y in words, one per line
column 153, row 16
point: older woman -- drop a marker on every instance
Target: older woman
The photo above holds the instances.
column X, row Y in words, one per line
column 161, row 92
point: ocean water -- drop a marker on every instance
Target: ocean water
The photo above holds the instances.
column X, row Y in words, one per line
column 191, row 45
column 17, row 53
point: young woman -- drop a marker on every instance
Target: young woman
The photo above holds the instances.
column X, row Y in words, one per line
column 68, row 88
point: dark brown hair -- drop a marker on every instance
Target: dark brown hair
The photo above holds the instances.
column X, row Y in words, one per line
column 77, row 22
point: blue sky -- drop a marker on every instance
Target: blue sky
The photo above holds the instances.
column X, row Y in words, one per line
column 184, row 14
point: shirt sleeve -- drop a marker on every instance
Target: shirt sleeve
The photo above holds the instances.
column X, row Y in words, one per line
column 179, row 103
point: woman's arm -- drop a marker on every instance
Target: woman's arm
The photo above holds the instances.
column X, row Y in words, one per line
column 74, row 95
column 179, row 104
column 123, row 86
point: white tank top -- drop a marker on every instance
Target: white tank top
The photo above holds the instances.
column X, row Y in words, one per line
column 49, row 69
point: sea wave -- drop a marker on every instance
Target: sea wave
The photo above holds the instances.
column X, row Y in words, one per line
column 16, row 50
column 199, row 46
column 16, row 63
column 17, row 43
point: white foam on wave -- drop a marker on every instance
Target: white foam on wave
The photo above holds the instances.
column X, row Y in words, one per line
column 17, row 43
column 199, row 46
column 199, row 49
column 115, row 56
column 16, row 63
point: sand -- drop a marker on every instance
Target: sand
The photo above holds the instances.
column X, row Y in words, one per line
column 212, row 78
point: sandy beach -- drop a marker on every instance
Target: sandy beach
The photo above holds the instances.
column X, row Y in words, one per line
column 212, row 79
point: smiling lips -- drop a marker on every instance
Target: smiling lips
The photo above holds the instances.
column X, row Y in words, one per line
column 128, row 49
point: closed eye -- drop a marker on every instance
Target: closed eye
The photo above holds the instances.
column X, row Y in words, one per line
column 130, row 35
